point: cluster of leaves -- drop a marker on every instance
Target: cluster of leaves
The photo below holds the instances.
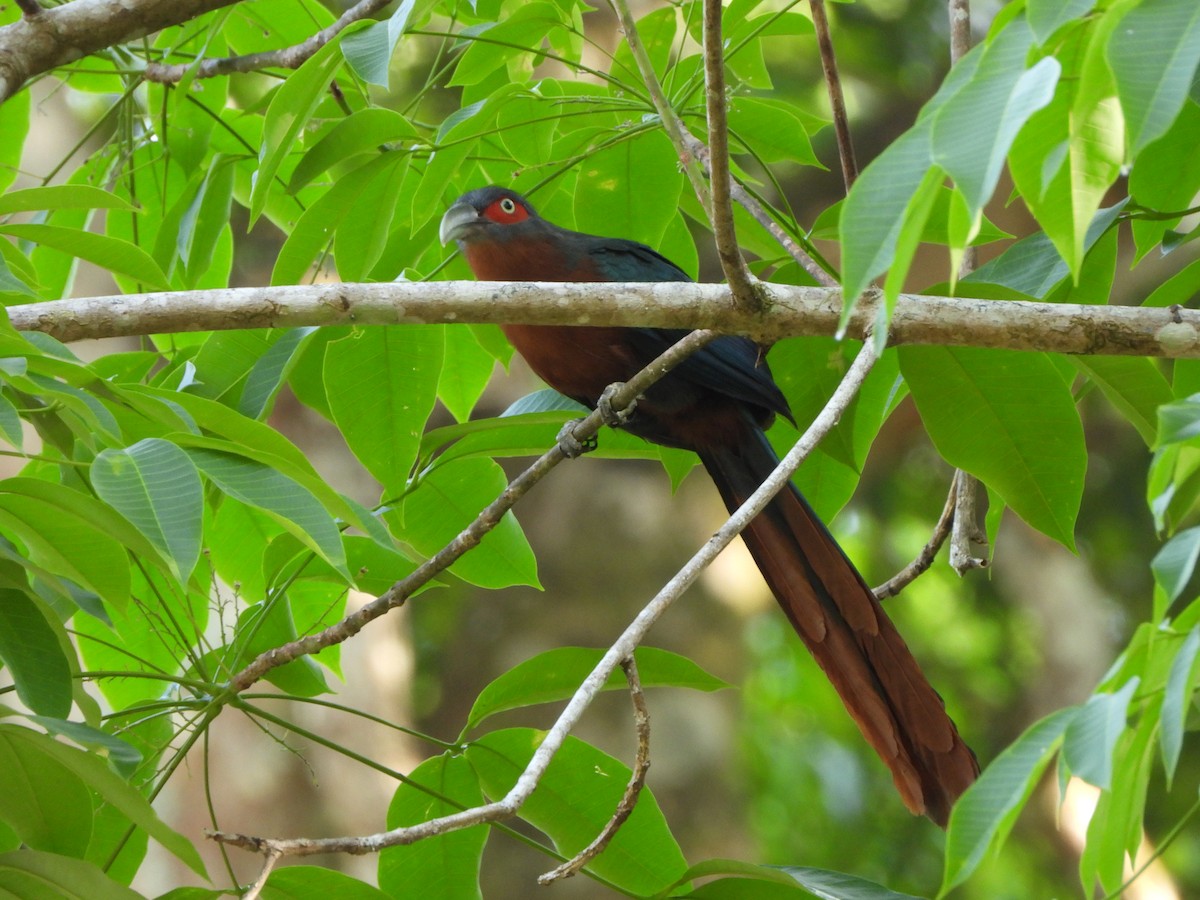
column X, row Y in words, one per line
column 161, row 535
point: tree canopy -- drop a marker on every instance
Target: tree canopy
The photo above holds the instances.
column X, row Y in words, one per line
column 177, row 561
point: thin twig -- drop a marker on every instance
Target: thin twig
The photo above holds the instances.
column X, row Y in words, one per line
column 29, row 7
column 721, row 212
column 674, row 127
column 924, row 559
column 284, row 58
column 270, row 858
column 621, row 649
column 637, row 780
column 833, row 85
column 470, row 536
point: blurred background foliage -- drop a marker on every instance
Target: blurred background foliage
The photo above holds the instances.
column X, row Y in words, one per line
column 771, row 770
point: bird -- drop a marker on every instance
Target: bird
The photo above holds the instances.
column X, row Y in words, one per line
column 718, row 404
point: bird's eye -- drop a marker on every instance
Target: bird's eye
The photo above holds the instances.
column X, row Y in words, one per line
column 508, row 206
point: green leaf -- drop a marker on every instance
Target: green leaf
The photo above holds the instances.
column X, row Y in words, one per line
column 1008, row 418
column 557, row 674
column 1179, row 421
column 1154, row 54
column 269, row 372
column 840, row 886
column 291, row 108
column 631, row 189
column 771, row 130
column 42, row 800
column 265, row 626
column 381, row 384
column 1174, row 564
column 1177, row 700
column 1091, row 738
column 574, row 801
column 984, row 815
column 521, row 31
column 123, row 756
column 466, row 370
column 14, row 125
column 155, row 486
column 32, row 874
column 62, row 196
column 447, row 500
column 31, row 648
column 437, row 787
column 317, row 883
column 117, row 256
column 96, row 774
column 369, row 50
column 362, row 132
column 285, row 500
column 1135, row 387
column 1047, row 16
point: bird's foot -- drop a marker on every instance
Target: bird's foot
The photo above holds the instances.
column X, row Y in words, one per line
column 613, row 417
column 571, row 446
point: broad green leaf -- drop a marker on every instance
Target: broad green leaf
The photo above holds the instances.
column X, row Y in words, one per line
column 285, row 500
column 155, row 486
column 96, row 774
column 41, row 799
column 575, row 799
column 1165, row 179
column 557, row 674
column 14, row 125
column 1179, row 421
column 381, row 384
column 31, row 649
column 973, row 131
column 437, row 787
column 123, row 756
column 204, row 220
column 466, row 370
column 521, row 31
column 361, row 239
column 291, row 108
column 746, row 873
column 48, row 876
column 1008, row 418
column 1174, row 564
column 984, row 815
column 1090, row 739
column 316, row 226
column 1047, row 16
column 62, row 196
column 1135, row 386
column 265, row 626
column 1154, row 53
column 630, row 189
column 362, row 132
column 117, row 256
column 841, row 886
column 1177, row 699
column 448, row 499
column 55, row 526
column 1070, row 152
column 317, row 883
column 771, row 130
column 1180, row 288
column 369, row 50
column 270, row 371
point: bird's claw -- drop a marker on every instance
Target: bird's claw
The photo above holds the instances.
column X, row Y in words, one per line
column 613, row 417
column 571, row 446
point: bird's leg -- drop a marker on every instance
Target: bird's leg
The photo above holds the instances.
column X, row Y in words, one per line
column 613, row 417
column 571, row 446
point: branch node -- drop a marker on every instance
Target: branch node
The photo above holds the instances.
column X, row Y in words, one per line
column 30, row 8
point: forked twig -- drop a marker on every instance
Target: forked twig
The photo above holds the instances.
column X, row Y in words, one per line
column 637, row 780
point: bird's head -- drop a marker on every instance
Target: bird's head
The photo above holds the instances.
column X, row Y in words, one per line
column 488, row 213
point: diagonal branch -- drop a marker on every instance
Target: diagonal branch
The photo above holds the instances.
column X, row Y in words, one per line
column 470, row 536
column 837, row 101
column 621, row 649
column 284, row 58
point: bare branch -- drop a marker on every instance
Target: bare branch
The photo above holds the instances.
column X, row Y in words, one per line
column 284, row 58
column 721, row 212
column 637, row 780
column 837, row 101
column 621, row 649
column 56, row 36
column 1172, row 332
column 966, row 526
column 924, row 559
column 29, row 7
column 271, row 857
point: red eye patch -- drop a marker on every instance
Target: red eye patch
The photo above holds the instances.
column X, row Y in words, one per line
column 506, row 211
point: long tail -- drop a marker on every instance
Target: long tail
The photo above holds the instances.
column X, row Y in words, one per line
column 846, row 630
